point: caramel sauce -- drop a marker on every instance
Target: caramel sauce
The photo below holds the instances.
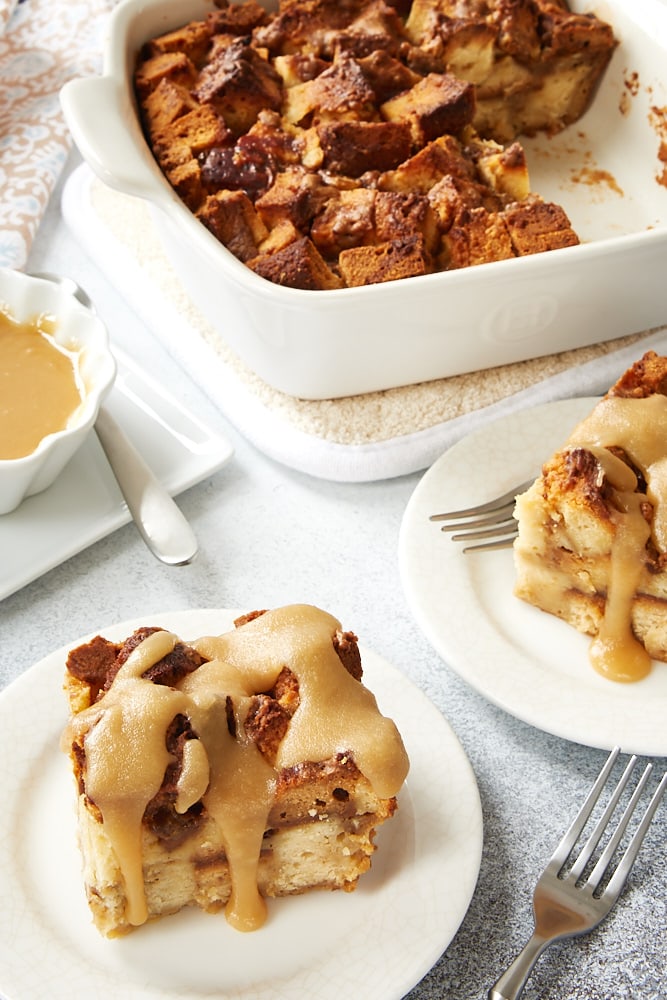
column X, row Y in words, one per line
column 126, row 757
column 639, row 427
column 39, row 387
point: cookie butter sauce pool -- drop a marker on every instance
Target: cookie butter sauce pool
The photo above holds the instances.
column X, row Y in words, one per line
column 40, row 386
column 126, row 757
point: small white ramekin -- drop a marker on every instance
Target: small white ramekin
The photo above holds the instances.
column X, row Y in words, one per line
column 25, row 298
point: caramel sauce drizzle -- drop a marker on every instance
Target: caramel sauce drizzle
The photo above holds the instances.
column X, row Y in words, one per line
column 639, row 427
column 126, row 756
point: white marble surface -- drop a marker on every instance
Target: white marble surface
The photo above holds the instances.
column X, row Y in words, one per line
column 271, row 536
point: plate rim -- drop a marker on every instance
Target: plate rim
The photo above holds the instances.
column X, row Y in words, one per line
column 21, row 692
column 414, row 555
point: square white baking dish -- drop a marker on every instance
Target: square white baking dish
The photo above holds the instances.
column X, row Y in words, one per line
column 605, row 170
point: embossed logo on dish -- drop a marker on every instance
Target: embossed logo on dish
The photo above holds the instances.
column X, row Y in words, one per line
column 520, row 320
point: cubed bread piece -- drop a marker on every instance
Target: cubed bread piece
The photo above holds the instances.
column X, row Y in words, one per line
column 283, row 233
column 340, row 93
column 193, row 39
column 237, row 18
column 441, row 158
column 388, row 261
column 504, row 169
column 163, row 105
column 439, row 104
column 297, row 265
column 535, row 226
column 240, row 84
column 200, row 130
column 451, row 195
column 387, row 75
column 401, row 216
column 346, row 220
column 174, row 66
column 476, row 237
column 352, row 148
column 298, row 67
column 295, row 194
column 231, row 217
column 185, row 178
column 309, row 26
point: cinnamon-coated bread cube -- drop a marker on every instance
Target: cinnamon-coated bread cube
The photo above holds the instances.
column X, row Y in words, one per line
column 477, row 236
column 535, row 226
column 441, row 158
column 239, row 83
column 352, row 148
column 297, row 265
column 388, row 261
column 192, row 39
column 340, row 93
column 451, row 195
column 295, row 194
column 504, row 169
column 231, row 217
column 173, row 65
column 237, row 18
column 163, row 105
column 440, row 103
column 346, row 220
column 200, row 130
column 401, row 216
column 387, row 75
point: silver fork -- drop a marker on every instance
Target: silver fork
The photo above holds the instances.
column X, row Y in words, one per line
column 569, row 902
column 492, row 519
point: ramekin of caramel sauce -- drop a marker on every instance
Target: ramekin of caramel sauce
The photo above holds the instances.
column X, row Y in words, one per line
column 55, row 369
column 41, row 390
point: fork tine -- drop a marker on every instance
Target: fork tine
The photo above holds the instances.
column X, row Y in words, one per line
column 501, row 530
column 504, row 542
column 482, row 508
column 595, row 837
column 498, row 516
column 620, row 876
column 564, row 849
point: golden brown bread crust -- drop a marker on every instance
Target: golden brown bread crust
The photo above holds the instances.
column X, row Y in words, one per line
column 352, row 94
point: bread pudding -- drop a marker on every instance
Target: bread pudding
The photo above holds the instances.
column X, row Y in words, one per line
column 337, row 144
column 592, row 544
column 219, row 772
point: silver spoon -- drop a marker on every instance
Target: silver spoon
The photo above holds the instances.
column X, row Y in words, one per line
column 156, row 514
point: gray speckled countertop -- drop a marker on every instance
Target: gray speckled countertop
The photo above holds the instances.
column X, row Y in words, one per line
column 272, row 536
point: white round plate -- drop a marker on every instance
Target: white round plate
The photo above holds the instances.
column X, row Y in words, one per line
column 527, row 662
column 377, row 942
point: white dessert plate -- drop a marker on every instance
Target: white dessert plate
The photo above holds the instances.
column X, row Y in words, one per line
column 527, row 662
column 85, row 503
column 377, row 942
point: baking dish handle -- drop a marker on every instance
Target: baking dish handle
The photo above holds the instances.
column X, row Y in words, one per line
column 104, row 127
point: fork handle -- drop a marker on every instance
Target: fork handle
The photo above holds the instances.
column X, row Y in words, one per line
column 511, row 983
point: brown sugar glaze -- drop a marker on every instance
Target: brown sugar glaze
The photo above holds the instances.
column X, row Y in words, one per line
column 126, row 757
column 639, row 427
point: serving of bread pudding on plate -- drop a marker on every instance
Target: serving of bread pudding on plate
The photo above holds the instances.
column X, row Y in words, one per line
column 338, row 143
column 218, row 772
column 592, row 543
